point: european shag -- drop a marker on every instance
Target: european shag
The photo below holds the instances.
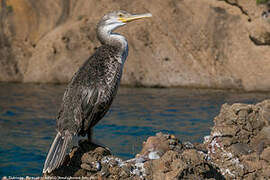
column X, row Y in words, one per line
column 93, row 87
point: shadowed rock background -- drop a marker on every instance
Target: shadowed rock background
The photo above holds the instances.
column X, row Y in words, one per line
column 189, row 43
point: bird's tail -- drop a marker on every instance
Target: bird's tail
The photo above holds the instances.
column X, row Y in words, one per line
column 57, row 151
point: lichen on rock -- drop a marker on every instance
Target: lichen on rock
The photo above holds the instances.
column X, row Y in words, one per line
column 237, row 148
column 239, row 140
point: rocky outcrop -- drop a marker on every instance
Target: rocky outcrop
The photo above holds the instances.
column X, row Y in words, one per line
column 237, row 148
column 162, row 157
column 240, row 141
column 213, row 44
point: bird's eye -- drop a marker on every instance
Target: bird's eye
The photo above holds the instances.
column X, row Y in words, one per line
column 120, row 15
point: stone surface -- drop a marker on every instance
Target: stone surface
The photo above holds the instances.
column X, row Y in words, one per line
column 189, row 43
column 174, row 161
column 237, row 148
column 239, row 141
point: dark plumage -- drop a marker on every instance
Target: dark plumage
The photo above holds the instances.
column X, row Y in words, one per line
column 91, row 91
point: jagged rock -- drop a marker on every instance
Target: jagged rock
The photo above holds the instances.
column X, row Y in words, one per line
column 239, row 141
column 163, row 157
column 237, row 148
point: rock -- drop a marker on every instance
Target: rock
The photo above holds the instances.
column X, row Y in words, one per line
column 239, row 141
column 93, row 166
column 191, row 164
column 237, row 148
column 95, row 155
column 240, row 149
column 155, row 146
column 193, row 44
column 80, row 173
column 162, row 157
column 265, row 155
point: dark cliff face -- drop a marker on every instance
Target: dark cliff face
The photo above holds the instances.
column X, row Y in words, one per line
column 193, row 44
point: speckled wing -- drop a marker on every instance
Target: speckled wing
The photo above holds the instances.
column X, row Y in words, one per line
column 90, row 92
column 78, row 109
column 93, row 106
column 96, row 103
column 88, row 102
column 90, row 108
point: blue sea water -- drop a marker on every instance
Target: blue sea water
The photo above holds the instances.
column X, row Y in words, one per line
column 28, row 111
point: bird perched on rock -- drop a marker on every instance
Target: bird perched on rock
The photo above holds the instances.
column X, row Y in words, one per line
column 92, row 89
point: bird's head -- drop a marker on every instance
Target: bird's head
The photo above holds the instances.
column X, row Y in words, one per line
column 116, row 19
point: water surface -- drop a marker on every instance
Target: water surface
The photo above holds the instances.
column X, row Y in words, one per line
column 28, row 111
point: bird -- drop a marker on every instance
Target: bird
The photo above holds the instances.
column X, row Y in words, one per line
column 91, row 91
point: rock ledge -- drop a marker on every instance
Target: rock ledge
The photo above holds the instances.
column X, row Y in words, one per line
column 237, row 148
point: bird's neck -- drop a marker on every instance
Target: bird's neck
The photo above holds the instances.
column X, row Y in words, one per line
column 107, row 37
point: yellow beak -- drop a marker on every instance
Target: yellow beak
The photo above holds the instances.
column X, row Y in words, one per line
column 134, row 17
